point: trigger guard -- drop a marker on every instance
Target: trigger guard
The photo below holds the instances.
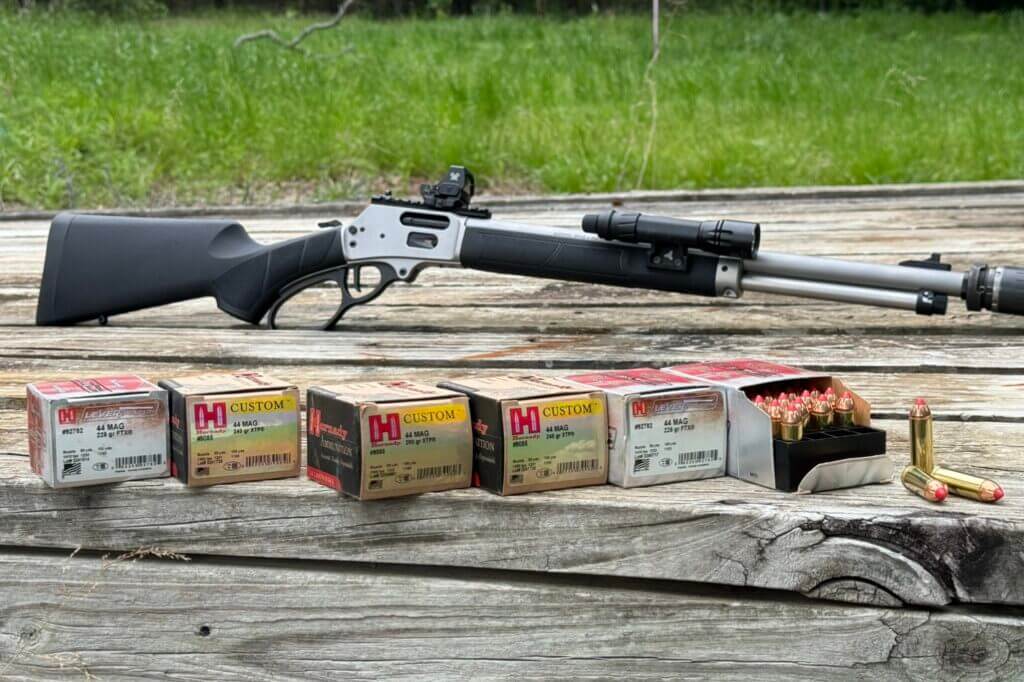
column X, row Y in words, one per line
column 340, row 276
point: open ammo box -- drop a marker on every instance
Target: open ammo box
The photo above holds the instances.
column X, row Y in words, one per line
column 836, row 457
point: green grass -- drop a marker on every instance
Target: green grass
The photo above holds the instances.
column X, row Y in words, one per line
column 99, row 112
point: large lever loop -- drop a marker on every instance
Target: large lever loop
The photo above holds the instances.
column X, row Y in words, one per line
column 350, row 282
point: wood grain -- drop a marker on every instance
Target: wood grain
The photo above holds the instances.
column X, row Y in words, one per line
column 559, row 308
column 91, row 618
column 979, row 353
column 877, row 543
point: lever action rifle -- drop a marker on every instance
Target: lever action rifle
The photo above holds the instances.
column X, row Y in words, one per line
column 97, row 266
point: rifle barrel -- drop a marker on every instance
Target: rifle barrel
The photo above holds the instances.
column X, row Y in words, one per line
column 817, row 269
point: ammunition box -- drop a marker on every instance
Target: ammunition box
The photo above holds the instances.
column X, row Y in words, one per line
column 233, row 426
column 101, row 430
column 535, row 433
column 662, row 428
column 373, row 440
column 834, row 457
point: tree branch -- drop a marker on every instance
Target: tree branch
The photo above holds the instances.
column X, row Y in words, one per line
column 293, row 44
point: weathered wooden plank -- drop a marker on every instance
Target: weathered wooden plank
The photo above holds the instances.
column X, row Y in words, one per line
column 530, row 306
column 876, row 543
column 201, row 619
column 954, row 353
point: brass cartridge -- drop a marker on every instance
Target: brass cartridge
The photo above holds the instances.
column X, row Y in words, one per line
column 844, row 410
column 801, row 410
column 965, row 485
column 792, row 427
column 923, row 485
column 922, row 450
column 821, row 415
column 775, row 412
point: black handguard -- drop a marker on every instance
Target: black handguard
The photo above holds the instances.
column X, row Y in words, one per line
column 97, row 266
column 576, row 260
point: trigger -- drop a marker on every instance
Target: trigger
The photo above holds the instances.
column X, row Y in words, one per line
column 357, row 278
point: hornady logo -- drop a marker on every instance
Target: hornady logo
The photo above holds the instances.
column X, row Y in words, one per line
column 213, row 416
column 317, row 425
column 524, row 421
column 384, row 427
column 66, row 415
column 640, row 408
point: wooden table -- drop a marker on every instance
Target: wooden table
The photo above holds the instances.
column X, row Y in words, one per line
column 285, row 578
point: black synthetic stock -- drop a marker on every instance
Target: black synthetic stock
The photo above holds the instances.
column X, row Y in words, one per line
column 103, row 265
column 578, row 260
